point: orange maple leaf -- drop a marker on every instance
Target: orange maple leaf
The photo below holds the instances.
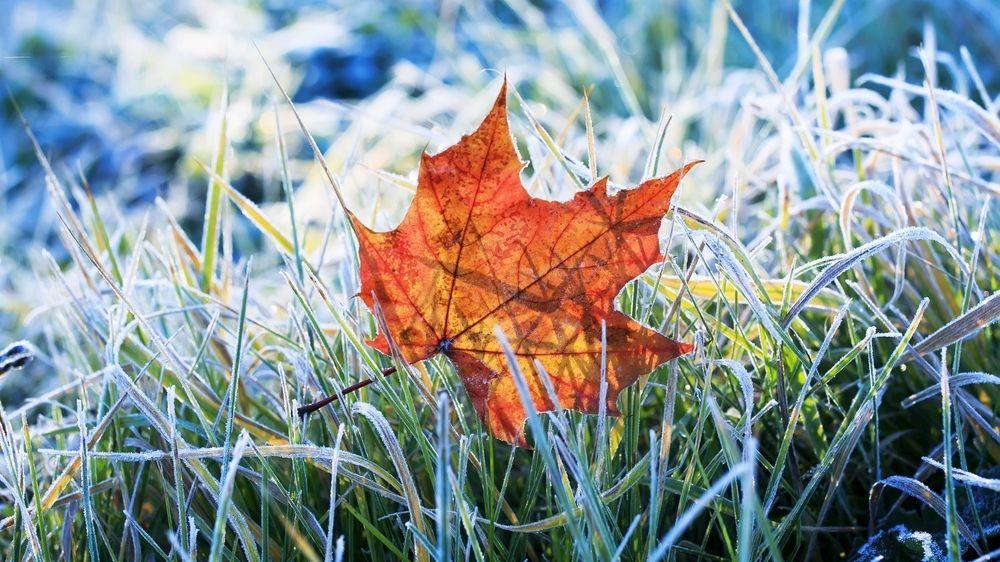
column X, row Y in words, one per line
column 475, row 250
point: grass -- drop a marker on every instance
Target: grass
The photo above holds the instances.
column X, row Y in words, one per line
column 835, row 260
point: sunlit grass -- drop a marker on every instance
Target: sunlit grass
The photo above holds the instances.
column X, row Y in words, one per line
column 834, row 260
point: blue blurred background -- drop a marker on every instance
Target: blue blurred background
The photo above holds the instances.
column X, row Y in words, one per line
column 114, row 88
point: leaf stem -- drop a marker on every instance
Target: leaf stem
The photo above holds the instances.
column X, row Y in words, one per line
column 319, row 404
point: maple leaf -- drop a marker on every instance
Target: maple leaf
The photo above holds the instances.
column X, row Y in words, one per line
column 475, row 250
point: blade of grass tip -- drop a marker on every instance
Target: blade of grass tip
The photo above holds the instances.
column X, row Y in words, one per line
column 819, row 35
column 566, row 502
column 175, row 546
column 286, row 185
column 178, row 479
column 253, row 213
column 653, row 161
column 161, row 346
column 391, row 178
column 52, row 183
column 442, row 488
column 317, row 153
column 210, row 234
column 103, row 240
column 822, row 112
column 628, row 534
column 591, row 140
column 977, row 80
column 541, row 170
column 225, row 497
column 190, row 251
column 802, row 27
column 133, row 524
column 332, row 509
column 965, row 326
column 935, row 117
column 955, row 381
column 420, row 538
column 546, row 138
column 193, row 540
column 75, row 231
column 846, row 212
column 234, row 376
column 971, row 280
column 341, row 546
column 88, row 507
column 689, row 514
column 738, row 251
column 968, row 477
column 951, row 508
column 391, row 444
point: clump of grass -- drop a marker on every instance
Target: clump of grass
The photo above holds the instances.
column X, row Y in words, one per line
column 835, row 261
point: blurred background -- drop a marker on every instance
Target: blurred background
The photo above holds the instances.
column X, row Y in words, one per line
column 124, row 93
